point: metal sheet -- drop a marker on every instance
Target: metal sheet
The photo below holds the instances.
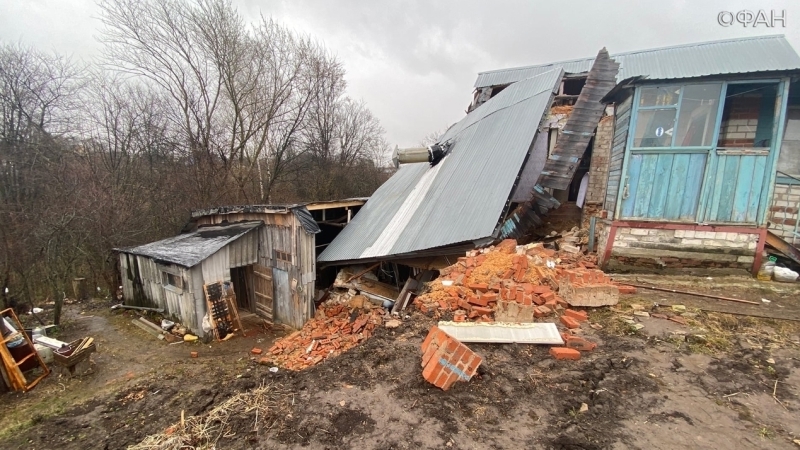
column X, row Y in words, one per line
column 746, row 55
column 189, row 249
column 503, row 333
column 581, row 124
column 463, row 197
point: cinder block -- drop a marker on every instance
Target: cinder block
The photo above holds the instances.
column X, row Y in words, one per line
column 688, row 233
column 692, row 242
column 680, row 233
column 745, row 259
column 639, row 231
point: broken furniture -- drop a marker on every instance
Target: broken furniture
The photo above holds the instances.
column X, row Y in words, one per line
column 74, row 359
column 18, row 354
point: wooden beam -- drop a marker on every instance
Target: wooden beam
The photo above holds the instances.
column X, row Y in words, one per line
column 333, row 205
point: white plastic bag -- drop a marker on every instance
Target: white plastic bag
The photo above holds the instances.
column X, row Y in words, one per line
column 785, row 275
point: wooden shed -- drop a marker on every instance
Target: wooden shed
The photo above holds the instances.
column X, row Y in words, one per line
column 265, row 252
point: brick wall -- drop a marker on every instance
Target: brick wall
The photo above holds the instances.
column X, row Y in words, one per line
column 658, row 248
column 598, row 169
column 783, row 212
column 738, row 128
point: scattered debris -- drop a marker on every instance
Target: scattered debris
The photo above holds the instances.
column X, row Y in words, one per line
column 333, row 330
column 193, row 354
column 445, row 360
column 513, row 283
column 393, row 323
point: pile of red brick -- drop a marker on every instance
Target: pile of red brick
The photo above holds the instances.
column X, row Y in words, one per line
column 473, row 287
column 330, row 333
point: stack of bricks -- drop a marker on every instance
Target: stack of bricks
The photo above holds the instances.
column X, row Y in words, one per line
column 573, row 345
column 588, row 287
column 507, row 283
column 330, row 333
column 445, row 360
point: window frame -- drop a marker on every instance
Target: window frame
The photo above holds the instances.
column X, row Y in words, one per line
column 676, row 121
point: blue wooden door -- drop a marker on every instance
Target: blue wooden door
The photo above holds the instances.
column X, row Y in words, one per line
column 663, row 185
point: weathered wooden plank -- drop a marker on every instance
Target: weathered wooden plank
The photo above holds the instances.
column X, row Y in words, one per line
column 644, row 187
column 694, row 184
column 677, row 186
column 730, row 175
column 759, row 177
column 661, row 186
column 634, row 169
column 742, row 189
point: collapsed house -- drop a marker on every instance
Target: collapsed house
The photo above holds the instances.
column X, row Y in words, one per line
column 265, row 253
column 685, row 155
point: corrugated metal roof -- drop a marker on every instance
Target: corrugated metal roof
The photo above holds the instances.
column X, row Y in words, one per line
column 460, row 199
column 746, row 55
column 189, row 249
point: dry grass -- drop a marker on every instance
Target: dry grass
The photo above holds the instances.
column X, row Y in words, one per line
column 718, row 331
column 262, row 407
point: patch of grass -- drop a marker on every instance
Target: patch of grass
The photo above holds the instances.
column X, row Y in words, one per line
column 765, row 433
column 22, row 420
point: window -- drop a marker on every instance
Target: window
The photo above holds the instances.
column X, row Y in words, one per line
column 171, row 279
column 748, row 115
column 283, row 256
column 677, row 116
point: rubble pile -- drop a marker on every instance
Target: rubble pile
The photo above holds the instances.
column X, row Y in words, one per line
column 336, row 328
column 513, row 283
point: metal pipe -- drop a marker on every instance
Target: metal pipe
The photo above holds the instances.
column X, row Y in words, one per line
column 696, row 294
column 592, row 225
column 140, row 308
column 413, row 155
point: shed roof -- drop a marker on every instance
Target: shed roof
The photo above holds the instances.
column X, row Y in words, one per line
column 744, row 55
column 190, row 249
column 462, row 198
column 299, row 210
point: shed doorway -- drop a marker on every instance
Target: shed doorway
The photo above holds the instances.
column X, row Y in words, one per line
column 242, row 279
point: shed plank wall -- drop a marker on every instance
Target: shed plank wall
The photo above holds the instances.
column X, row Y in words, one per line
column 622, row 121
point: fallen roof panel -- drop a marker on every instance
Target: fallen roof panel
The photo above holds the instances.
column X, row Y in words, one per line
column 462, row 198
column 503, row 333
column 747, row 55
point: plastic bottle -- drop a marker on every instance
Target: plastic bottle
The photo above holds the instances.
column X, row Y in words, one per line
column 766, row 270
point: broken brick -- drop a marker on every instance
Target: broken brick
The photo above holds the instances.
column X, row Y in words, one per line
column 477, row 301
column 480, row 287
column 569, row 322
column 481, row 311
column 565, row 353
column 579, row 343
column 625, row 289
column 580, row 316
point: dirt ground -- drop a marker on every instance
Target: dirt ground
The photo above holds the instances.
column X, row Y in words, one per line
column 719, row 381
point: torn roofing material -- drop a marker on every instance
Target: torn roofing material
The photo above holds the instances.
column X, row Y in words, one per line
column 461, row 199
column 747, row 55
column 299, row 210
column 190, row 249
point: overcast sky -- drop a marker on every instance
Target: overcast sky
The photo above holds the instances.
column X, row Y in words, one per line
column 414, row 62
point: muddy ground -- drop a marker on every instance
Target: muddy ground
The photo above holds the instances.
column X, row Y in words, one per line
column 706, row 384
